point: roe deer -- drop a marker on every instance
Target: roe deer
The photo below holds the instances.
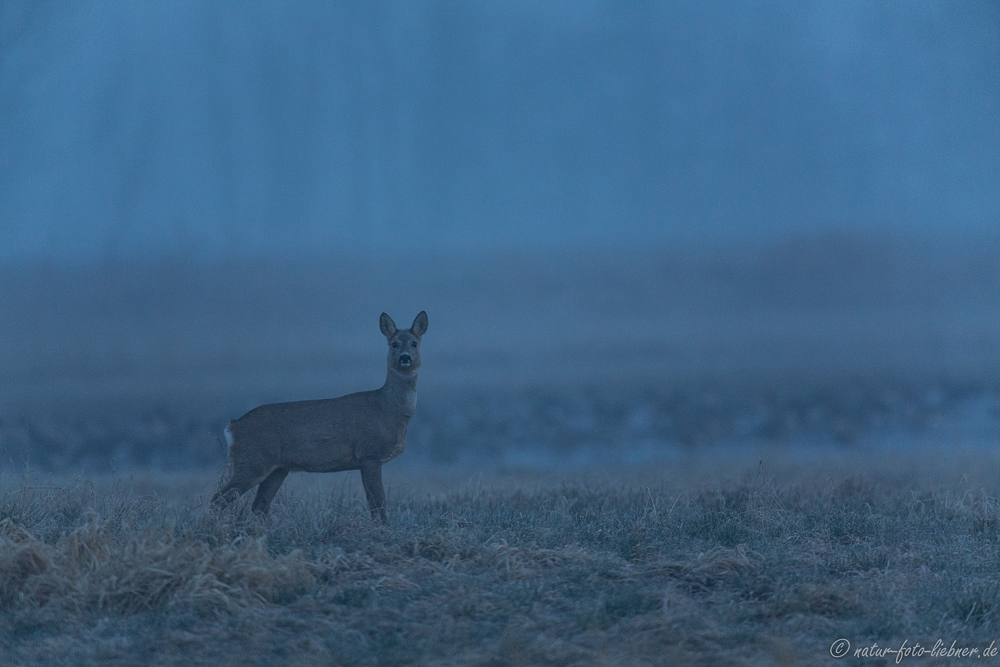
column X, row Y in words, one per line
column 359, row 431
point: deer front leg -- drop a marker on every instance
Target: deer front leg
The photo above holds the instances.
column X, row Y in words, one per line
column 371, row 477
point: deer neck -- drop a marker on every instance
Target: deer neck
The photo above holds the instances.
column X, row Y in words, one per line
column 400, row 392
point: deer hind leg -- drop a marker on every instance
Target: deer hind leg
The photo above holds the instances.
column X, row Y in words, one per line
column 267, row 489
column 226, row 495
column 247, row 471
column 371, row 477
column 241, row 482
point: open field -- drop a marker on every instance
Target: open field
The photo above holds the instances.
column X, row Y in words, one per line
column 582, row 483
column 725, row 558
column 531, row 359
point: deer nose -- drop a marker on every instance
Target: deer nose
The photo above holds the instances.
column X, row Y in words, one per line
column 404, row 359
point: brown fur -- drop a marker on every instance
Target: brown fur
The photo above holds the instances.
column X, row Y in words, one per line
column 360, row 431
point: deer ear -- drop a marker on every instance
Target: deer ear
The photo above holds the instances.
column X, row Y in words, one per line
column 419, row 327
column 387, row 326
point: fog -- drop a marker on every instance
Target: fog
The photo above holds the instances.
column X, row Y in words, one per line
column 254, row 127
column 637, row 230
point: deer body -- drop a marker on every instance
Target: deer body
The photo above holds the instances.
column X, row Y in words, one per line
column 359, row 431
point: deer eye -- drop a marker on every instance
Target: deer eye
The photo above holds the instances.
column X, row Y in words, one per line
column 395, row 344
column 414, row 343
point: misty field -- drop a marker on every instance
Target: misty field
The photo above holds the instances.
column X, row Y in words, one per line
column 646, row 462
column 725, row 558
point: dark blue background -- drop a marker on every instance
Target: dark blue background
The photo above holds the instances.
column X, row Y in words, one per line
column 274, row 128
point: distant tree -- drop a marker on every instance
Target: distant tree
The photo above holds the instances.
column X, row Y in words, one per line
column 17, row 19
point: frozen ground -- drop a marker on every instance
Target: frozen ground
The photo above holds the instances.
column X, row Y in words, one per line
column 531, row 361
column 727, row 561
